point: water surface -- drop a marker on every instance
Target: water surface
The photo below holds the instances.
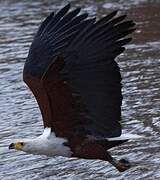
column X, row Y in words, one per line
column 19, row 113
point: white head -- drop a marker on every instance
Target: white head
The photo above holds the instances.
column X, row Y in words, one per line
column 45, row 144
column 29, row 146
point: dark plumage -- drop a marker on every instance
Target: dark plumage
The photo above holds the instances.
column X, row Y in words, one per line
column 72, row 72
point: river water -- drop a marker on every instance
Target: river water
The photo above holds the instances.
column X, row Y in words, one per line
column 140, row 68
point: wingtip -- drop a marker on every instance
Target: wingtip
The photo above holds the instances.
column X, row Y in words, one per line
column 128, row 40
column 133, row 24
column 93, row 19
column 85, row 15
column 52, row 13
column 114, row 13
column 78, row 9
column 67, row 7
column 123, row 16
column 132, row 29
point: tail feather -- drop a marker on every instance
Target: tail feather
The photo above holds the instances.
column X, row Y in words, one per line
column 125, row 137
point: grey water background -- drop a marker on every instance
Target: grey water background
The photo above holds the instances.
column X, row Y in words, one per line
column 20, row 116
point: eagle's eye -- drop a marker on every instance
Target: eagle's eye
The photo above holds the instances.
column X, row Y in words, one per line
column 21, row 143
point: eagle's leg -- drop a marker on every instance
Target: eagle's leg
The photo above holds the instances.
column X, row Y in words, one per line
column 121, row 164
column 97, row 151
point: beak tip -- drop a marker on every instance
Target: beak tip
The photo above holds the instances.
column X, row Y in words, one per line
column 11, row 146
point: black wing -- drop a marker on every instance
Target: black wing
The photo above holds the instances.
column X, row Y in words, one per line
column 78, row 55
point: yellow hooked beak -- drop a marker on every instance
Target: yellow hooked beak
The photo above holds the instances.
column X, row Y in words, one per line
column 17, row 146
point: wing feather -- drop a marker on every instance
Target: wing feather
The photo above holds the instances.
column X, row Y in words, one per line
column 53, row 22
column 72, row 72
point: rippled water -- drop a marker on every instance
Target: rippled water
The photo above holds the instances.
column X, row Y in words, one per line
column 20, row 116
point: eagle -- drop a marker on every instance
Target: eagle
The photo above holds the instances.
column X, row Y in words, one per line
column 72, row 72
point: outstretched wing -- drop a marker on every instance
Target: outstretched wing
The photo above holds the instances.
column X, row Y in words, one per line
column 72, row 72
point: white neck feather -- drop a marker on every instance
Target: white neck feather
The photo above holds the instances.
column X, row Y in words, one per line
column 47, row 144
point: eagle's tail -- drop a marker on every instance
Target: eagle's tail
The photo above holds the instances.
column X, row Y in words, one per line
column 115, row 141
column 125, row 137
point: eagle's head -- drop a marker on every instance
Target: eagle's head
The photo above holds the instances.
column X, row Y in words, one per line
column 26, row 145
column 18, row 146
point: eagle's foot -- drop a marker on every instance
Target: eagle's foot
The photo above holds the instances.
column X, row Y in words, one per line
column 122, row 165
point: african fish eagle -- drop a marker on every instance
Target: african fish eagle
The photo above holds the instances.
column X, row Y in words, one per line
column 72, row 73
